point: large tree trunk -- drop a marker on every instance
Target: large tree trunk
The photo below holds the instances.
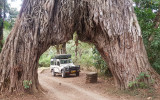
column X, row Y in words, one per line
column 113, row 28
column 109, row 24
column 40, row 24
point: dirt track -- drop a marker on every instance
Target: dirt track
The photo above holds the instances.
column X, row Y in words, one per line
column 74, row 88
column 70, row 88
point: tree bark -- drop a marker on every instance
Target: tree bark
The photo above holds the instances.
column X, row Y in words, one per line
column 111, row 25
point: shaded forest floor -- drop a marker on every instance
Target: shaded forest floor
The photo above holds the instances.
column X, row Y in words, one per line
column 70, row 88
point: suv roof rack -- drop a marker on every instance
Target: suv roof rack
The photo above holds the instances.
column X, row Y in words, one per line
column 62, row 56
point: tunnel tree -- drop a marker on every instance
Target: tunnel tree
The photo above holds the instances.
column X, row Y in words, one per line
column 111, row 25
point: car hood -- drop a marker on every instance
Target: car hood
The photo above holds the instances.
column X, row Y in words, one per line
column 67, row 65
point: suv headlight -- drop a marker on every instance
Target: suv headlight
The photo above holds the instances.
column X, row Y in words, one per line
column 78, row 66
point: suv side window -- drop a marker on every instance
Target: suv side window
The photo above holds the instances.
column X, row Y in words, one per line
column 54, row 62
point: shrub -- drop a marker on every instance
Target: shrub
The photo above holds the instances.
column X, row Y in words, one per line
column 44, row 60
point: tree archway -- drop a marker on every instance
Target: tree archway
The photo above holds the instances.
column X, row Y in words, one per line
column 110, row 25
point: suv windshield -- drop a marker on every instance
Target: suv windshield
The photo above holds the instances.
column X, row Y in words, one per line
column 65, row 61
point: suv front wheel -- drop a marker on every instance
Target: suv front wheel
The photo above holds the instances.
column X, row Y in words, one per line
column 53, row 73
column 77, row 73
column 63, row 74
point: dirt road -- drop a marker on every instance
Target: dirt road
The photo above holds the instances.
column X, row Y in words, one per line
column 70, row 88
column 75, row 88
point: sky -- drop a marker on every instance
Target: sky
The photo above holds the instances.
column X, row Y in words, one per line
column 15, row 4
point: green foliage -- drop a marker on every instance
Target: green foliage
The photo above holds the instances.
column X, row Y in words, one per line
column 12, row 16
column 140, row 81
column 13, row 12
column 100, row 64
column 7, row 25
column 44, row 60
column 153, row 4
column 5, row 35
column 84, row 53
column 27, row 84
column 144, row 10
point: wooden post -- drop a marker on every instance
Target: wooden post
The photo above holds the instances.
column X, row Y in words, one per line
column 91, row 77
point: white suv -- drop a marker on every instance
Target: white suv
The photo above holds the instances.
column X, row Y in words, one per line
column 62, row 64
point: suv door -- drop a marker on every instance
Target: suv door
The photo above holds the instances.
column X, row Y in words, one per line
column 52, row 65
column 56, row 67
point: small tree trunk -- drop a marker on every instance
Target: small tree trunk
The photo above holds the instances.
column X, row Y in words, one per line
column 156, row 24
column 1, row 25
column 61, row 49
column 64, row 48
column 57, row 49
column 157, row 19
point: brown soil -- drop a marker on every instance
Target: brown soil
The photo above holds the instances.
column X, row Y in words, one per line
column 75, row 88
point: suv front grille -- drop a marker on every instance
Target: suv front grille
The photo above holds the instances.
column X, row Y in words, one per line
column 74, row 68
